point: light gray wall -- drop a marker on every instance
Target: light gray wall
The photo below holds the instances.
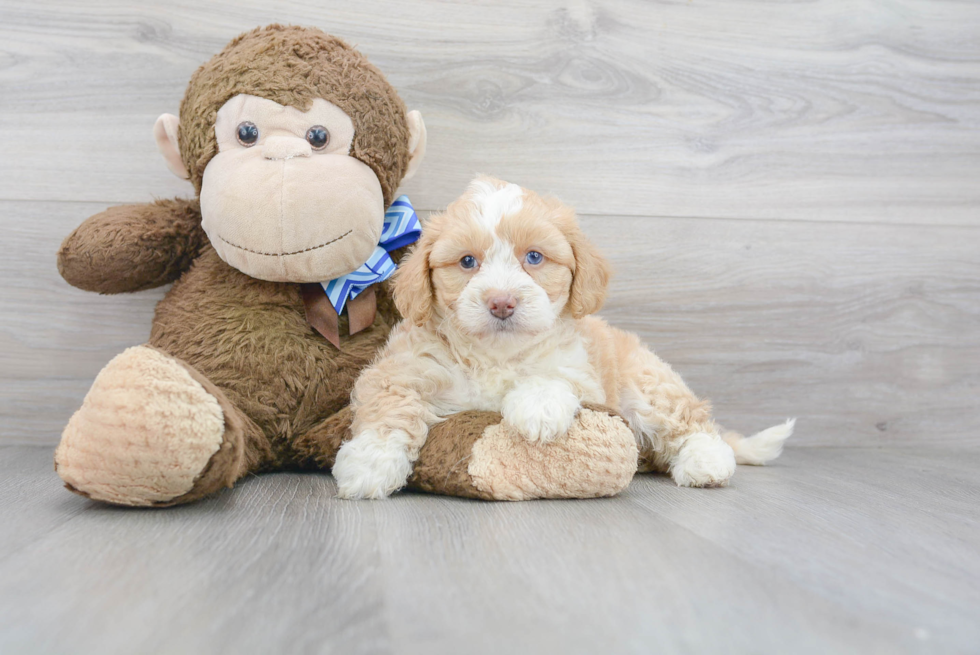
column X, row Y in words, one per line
column 790, row 192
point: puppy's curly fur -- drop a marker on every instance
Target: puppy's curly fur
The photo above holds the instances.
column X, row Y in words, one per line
column 498, row 298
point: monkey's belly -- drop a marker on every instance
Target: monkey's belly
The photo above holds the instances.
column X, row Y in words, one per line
column 251, row 339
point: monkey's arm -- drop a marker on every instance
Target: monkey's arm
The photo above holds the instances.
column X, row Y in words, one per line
column 133, row 247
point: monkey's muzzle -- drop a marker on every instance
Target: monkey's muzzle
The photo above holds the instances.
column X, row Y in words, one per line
column 281, row 215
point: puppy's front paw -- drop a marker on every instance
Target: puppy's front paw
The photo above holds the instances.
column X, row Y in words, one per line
column 703, row 461
column 372, row 465
column 540, row 410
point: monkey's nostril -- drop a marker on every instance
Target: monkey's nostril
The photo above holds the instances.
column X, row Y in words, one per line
column 502, row 306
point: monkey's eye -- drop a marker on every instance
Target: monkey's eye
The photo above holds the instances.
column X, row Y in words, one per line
column 248, row 134
column 533, row 257
column 468, row 261
column 318, row 136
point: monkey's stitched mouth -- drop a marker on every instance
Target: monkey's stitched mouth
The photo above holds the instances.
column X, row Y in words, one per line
column 285, row 254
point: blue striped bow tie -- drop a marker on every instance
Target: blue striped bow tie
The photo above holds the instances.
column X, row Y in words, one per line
column 401, row 227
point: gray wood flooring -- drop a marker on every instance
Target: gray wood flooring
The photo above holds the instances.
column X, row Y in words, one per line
column 830, row 550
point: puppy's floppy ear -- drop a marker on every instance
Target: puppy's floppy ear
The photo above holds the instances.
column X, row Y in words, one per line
column 592, row 272
column 413, row 283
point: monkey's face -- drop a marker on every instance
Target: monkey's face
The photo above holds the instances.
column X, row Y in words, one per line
column 283, row 200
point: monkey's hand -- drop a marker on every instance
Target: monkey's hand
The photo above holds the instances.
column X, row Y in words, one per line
column 133, row 247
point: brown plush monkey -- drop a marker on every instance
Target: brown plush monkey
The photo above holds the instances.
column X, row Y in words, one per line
column 295, row 145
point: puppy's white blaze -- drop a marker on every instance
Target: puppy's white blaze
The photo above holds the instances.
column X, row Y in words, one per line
column 501, row 256
column 492, row 204
column 763, row 446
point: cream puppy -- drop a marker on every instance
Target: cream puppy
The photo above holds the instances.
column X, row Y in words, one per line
column 497, row 298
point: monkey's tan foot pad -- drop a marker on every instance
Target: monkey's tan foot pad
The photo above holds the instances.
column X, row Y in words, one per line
column 145, row 432
column 473, row 454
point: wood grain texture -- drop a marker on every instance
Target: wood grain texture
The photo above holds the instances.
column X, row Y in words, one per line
column 870, row 334
column 825, row 110
column 902, row 525
column 828, row 550
column 245, row 572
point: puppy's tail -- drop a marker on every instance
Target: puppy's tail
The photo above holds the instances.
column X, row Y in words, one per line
column 761, row 447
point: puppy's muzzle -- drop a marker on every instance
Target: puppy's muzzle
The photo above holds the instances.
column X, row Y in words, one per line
column 501, row 305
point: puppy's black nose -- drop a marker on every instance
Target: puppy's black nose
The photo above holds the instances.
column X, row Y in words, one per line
column 501, row 306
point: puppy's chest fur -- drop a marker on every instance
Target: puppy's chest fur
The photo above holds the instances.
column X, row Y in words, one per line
column 481, row 379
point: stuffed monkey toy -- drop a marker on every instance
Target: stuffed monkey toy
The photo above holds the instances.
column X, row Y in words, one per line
column 295, row 145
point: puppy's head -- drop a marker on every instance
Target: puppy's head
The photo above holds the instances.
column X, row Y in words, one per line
column 501, row 260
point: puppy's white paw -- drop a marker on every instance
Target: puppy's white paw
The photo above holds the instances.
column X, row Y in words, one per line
column 540, row 410
column 372, row 465
column 703, row 461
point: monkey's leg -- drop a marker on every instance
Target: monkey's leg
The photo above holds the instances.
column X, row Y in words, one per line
column 474, row 454
column 317, row 448
column 153, row 431
column 471, row 454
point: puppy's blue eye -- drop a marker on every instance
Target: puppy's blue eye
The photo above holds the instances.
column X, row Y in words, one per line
column 533, row 257
column 247, row 134
column 469, row 261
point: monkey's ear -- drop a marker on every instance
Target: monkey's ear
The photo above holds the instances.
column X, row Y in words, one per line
column 416, row 142
column 165, row 133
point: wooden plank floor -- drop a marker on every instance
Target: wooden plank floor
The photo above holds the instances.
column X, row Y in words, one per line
column 857, row 550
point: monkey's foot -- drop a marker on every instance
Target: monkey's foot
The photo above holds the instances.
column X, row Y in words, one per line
column 474, row 454
column 148, row 433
